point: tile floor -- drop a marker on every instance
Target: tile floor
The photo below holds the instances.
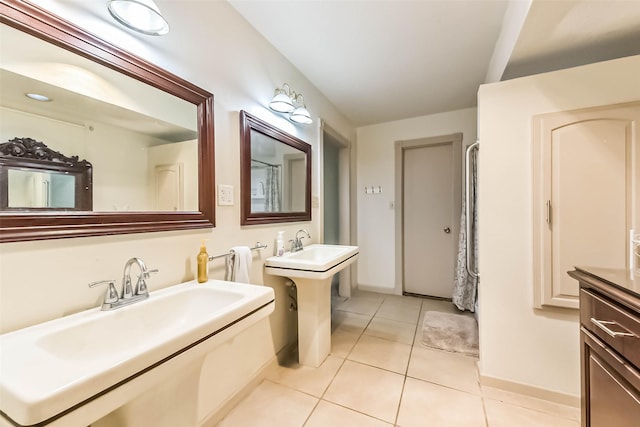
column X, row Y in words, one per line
column 379, row 374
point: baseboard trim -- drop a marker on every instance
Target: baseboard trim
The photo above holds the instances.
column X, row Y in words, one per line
column 531, row 391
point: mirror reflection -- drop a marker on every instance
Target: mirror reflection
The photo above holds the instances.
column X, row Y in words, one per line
column 142, row 142
column 276, row 174
column 33, row 189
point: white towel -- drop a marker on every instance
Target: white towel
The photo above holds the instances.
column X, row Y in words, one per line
column 241, row 264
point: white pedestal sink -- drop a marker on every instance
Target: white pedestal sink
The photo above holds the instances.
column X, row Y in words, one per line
column 76, row 369
column 312, row 269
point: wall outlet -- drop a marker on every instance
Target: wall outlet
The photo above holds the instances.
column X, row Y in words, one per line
column 225, row 195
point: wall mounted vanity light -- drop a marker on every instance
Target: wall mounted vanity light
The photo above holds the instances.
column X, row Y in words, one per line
column 139, row 15
column 287, row 101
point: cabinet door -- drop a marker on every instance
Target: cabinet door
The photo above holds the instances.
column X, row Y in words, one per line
column 610, row 387
column 585, row 195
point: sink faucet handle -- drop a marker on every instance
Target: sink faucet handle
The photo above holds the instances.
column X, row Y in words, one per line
column 141, row 285
column 111, row 295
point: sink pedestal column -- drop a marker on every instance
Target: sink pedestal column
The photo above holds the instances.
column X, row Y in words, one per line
column 314, row 320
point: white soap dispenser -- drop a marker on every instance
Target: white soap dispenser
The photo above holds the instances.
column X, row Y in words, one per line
column 280, row 244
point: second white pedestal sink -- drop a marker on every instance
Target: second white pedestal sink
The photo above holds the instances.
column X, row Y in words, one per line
column 312, row 269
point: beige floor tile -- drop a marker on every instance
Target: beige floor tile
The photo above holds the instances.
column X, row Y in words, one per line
column 381, row 353
column 309, row 380
column 425, row 404
column 391, row 330
column 448, row 369
column 366, row 389
column 271, row 405
column 399, row 310
column 328, row 414
column 552, row 408
column 362, row 305
column 357, row 293
column 500, row 414
column 349, row 322
column 403, row 299
column 342, row 342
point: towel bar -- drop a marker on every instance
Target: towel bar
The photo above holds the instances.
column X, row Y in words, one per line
column 257, row 246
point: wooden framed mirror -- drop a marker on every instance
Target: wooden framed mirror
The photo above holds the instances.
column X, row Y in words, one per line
column 275, row 171
column 23, row 24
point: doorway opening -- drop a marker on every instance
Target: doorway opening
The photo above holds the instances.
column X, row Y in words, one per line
column 429, row 188
column 337, row 225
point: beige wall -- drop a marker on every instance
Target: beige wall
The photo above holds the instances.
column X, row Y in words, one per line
column 517, row 343
column 44, row 280
column 376, row 166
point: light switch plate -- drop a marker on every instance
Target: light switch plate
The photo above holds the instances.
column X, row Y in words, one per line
column 225, row 195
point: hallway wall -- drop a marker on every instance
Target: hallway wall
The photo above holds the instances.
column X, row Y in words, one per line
column 376, row 166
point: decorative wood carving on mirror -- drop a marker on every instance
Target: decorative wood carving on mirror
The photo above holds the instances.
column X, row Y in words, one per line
column 34, row 178
column 275, row 174
column 21, row 226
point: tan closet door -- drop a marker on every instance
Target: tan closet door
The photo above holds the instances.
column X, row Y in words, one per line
column 586, row 196
column 431, row 215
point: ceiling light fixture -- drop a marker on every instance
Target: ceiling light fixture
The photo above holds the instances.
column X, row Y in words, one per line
column 286, row 100
column 139, row 15
column 38, row 97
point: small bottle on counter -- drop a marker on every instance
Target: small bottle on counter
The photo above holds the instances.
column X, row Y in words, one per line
column 203, row 263
column 280, row 244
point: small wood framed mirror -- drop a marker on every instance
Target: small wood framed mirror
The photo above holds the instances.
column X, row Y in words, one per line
column 35, row 178
column 275, row 170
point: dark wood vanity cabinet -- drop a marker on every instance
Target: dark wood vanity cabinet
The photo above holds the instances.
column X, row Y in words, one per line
column 609, row 347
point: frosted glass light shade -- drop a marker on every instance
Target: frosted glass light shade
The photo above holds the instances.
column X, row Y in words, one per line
column 139, row 15
column 301, row 115
column 281, row 103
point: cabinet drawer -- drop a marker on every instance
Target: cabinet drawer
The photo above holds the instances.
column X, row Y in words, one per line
column 613, row 324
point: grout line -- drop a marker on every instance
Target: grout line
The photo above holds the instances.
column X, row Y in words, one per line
column 406, row 371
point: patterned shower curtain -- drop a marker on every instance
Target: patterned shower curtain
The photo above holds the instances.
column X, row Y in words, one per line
column 465, row 286
column 272, row 189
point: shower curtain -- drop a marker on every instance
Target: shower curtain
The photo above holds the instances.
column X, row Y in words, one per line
column 465, row 286
column 272, row 189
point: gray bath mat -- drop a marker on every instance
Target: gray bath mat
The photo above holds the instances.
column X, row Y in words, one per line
column 451, row 332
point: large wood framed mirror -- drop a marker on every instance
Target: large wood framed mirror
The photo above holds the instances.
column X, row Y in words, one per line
column 275, row 170
column 148, row 133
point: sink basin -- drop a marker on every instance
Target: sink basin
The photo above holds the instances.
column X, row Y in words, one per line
column 311, row 270
column 313, row 262
column 48, row 369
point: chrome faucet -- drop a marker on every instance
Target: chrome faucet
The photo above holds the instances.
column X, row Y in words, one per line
column 296, row 244
column 128, row 294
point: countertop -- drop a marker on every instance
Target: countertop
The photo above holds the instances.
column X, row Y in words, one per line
column 620, row 284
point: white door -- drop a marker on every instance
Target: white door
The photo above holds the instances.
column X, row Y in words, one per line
column 431, row 214
column 169, row 187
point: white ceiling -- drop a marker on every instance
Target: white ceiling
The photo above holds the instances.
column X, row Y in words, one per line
column 379, row 61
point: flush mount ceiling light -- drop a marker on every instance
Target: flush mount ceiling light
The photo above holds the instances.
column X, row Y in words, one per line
column 139, row 15
column 38, row 97
column 286, row 100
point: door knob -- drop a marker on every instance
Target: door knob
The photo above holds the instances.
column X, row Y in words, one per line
column 447, row 230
